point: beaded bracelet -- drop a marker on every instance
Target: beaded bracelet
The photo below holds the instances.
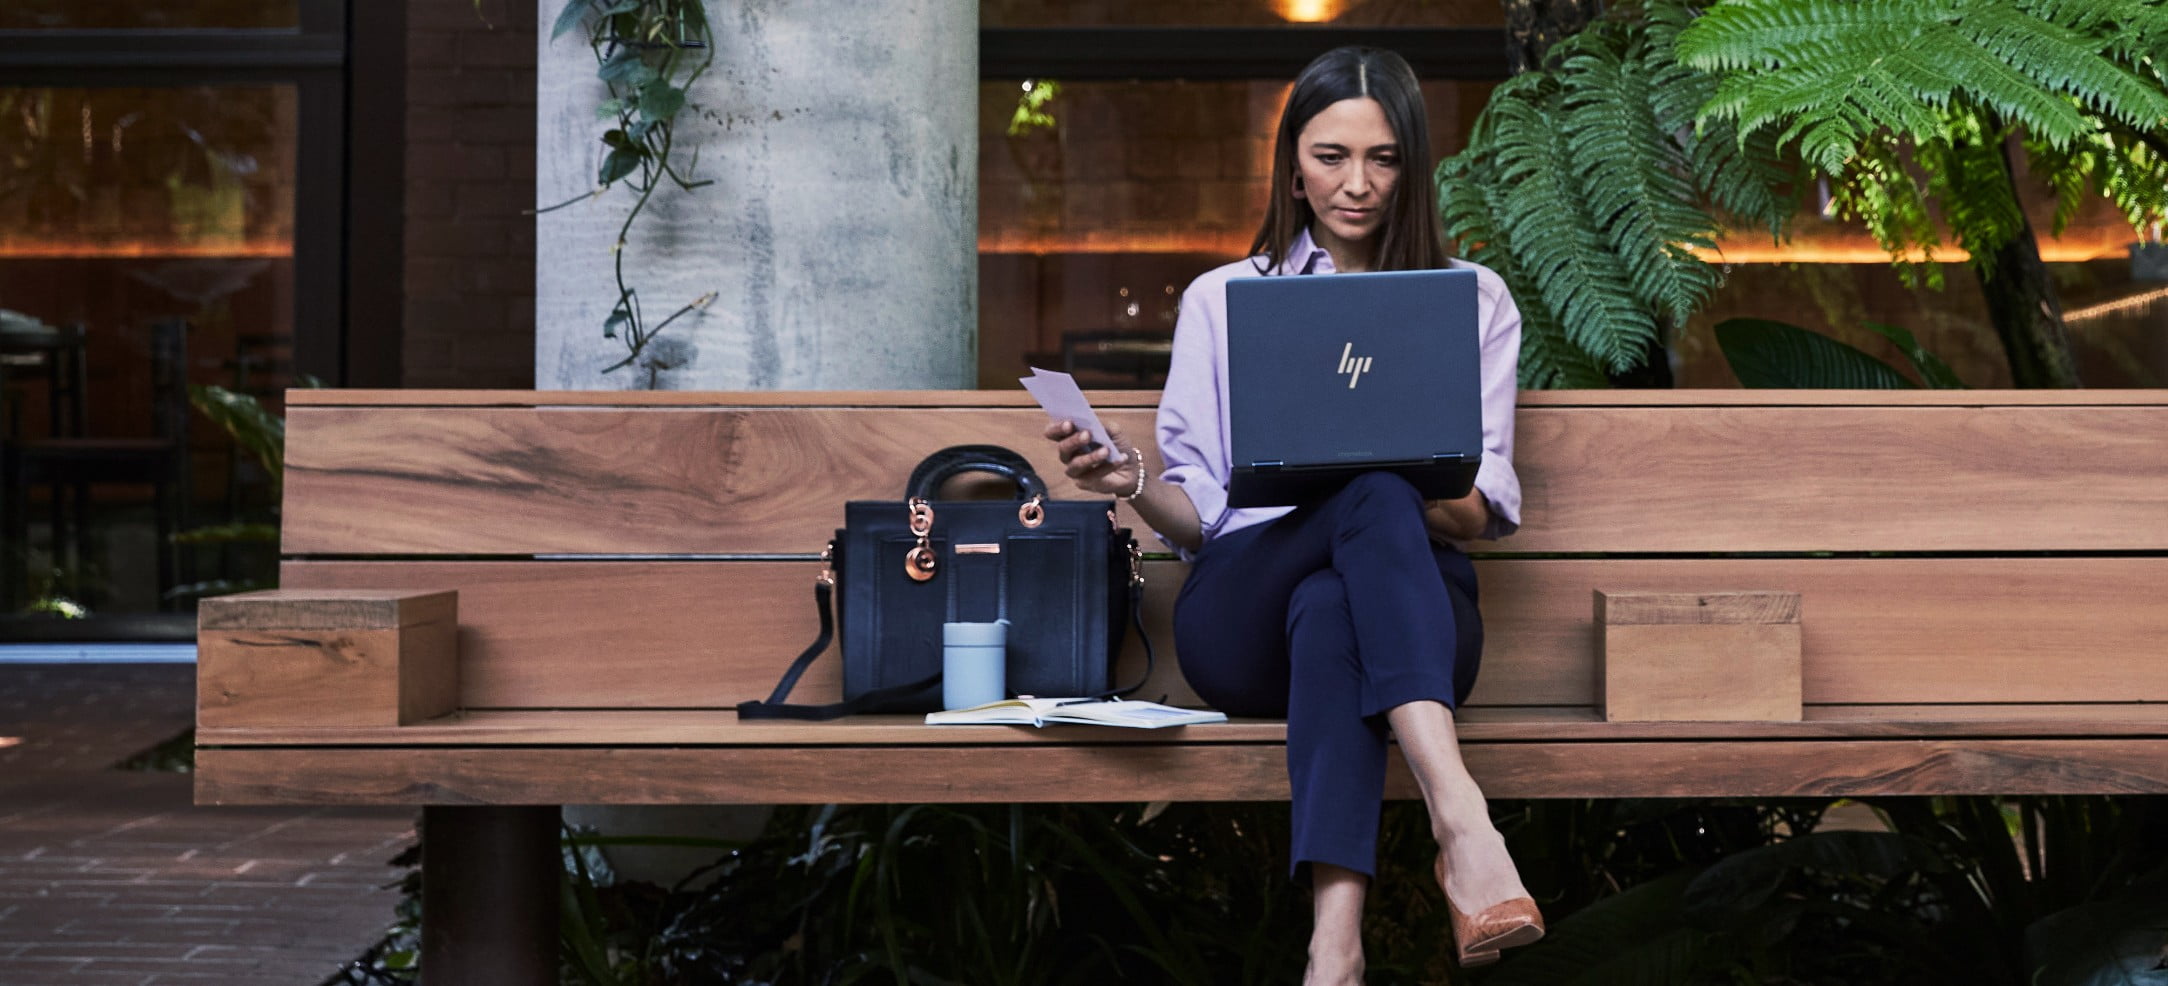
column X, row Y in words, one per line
column 1141, row 474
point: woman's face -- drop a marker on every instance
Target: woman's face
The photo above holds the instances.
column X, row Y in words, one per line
column 1349, row 163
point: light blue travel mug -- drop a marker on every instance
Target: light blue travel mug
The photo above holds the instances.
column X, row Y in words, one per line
column 974, row 659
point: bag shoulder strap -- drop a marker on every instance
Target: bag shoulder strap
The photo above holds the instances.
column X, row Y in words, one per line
column 775, row 708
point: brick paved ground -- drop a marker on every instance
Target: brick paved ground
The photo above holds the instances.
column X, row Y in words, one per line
column 114, row 877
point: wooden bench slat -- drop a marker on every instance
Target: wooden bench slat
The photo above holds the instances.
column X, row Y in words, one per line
column 1157, row 772
column 1881, row 630
column 1888, row 630
column 686, row 727
column 366, row 397
column 677, row 479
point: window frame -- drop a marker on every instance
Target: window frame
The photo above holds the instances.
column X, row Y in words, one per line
column 346, row 61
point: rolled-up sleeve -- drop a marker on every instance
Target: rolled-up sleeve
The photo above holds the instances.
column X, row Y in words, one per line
column 1501, row 358
column 1192, row 445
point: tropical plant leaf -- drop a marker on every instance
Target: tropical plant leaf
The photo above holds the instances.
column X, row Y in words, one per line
column 1930, row 367
column 622, row 161
column 568, row 18
column 1744, row 882
column 1856, row 85
column 2121, row 941
column 258, row 431
column 1769, row 354
column 1556, row 240
column 1590, row 191
column 1630, row 939
column 659, row 100
column 1638, row 195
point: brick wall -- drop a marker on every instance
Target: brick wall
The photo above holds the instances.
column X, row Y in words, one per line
column 470, row 132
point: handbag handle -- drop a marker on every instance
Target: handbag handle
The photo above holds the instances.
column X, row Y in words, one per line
column 955, row 460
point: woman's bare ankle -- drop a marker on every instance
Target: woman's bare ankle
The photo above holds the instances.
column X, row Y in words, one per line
column 1334, row 963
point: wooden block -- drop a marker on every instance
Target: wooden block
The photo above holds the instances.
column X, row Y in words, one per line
column 1682, row 656
column 360, row 657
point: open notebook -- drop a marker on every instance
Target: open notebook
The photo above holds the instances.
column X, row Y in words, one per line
column 1079, row 711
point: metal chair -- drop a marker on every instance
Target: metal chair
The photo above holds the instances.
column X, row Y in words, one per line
column 69, row 465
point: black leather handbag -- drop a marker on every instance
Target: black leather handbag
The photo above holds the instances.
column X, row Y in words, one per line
column 1068, row 580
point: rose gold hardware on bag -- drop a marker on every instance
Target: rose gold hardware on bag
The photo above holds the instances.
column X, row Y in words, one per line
column 920, row 563
column 1031, row 514
column 827, row 576
column 978, row 549
column 1136, row 564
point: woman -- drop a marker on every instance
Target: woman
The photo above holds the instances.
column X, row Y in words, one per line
column 1356, row 614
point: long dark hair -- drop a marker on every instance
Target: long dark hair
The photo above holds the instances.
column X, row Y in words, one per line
column 1409, row 239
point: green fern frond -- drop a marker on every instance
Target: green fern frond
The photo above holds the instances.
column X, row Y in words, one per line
column 1556, row 241
column 1968, row 177
column 2063, row 60
column 2137, row 30
column 1467, row 202
column 1740, row 178
column 1589, row 188
column 2129, row 173
column 1813, row 67
column 2069, row 173
column 1549, row 360
column 1882, row 195
column 1632, row 171
column 2134, row 176
column 1743, row 177
column 1768, row 34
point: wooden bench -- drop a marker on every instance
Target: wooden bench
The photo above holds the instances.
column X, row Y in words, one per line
column 1979, row 571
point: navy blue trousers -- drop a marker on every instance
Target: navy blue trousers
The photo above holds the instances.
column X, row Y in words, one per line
column 1331, row 616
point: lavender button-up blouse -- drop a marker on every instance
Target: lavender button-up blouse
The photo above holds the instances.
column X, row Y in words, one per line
column 1193, row 408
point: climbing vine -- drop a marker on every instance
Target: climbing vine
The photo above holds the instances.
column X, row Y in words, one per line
column 647, row 55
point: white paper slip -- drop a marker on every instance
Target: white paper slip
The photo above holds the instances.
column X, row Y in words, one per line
column 1057, row 392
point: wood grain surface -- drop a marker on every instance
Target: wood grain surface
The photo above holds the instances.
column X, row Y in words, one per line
column 310, row 609
column 1620, row 479
column 362, row 397
column 1152, row 772
column 1879, row 630
column 380, row 676
column 1694, row 671
column 708, row 727
column 1667, row 608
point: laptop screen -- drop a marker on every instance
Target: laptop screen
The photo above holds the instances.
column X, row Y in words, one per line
column 1349, row 372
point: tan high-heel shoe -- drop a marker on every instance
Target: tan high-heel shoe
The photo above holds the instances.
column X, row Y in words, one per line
column 1507, row 924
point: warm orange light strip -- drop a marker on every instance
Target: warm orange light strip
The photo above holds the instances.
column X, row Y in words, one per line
column 2117, row 307
column 1221, row 243
column 134, row 249
column 1850, row 251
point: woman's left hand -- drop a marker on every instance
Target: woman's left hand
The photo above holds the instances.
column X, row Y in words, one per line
column 1086, row 463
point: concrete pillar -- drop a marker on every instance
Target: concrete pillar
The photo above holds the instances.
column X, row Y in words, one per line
column 840, row 235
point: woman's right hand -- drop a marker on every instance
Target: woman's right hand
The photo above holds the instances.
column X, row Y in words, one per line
column 1086, row 463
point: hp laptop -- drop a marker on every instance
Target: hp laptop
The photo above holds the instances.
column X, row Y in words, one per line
column 1334, row 376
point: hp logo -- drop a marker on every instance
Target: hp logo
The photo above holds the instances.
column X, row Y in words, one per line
column 1353, row 365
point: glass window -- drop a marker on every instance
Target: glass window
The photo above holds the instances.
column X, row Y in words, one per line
column 121, row 210
column 137, row 14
